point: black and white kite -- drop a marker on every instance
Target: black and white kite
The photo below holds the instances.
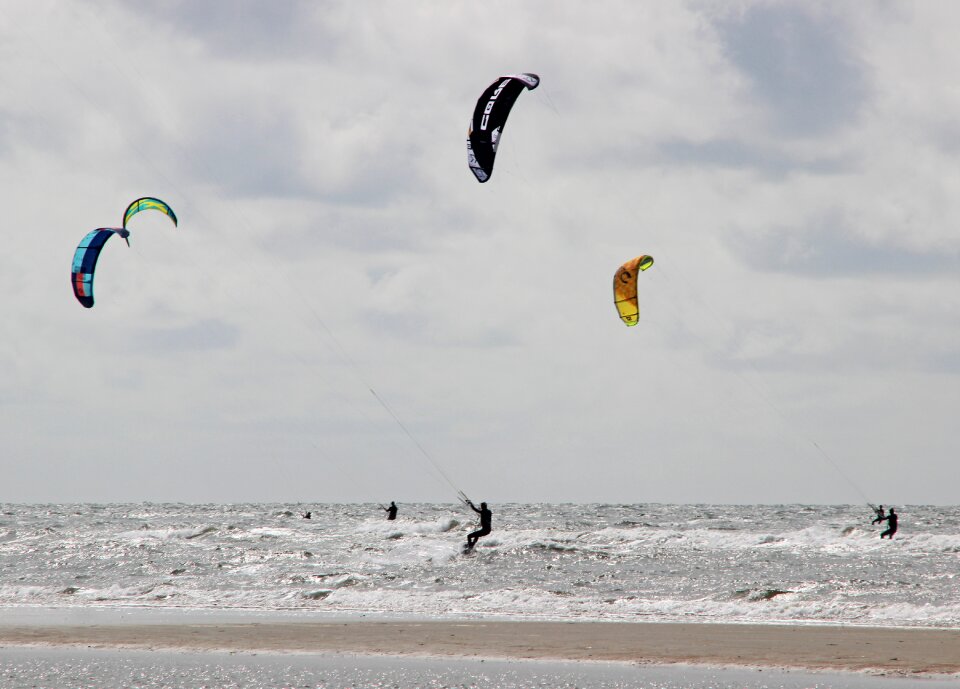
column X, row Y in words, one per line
column 489, row 117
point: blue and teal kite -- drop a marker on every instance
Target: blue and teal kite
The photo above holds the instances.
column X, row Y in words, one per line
column 85, row 261
column 87, row 253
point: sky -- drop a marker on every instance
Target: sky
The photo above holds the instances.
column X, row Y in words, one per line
column 345, row 315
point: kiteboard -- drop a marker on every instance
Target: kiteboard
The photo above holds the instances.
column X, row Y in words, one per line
column 466, row 550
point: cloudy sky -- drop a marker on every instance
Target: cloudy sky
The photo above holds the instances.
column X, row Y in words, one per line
column 791, row 166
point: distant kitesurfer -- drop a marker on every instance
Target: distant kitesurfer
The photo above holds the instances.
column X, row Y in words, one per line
column 880, row 517
column 391, row 511
column 891, row 520
column 307, row 515
column 486, row 518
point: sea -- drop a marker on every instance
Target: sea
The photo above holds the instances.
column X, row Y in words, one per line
column 802, row 564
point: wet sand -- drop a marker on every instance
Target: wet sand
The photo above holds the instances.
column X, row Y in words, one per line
column 106, row 668
column 896, row 651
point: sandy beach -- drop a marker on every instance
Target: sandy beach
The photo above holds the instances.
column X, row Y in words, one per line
column 897, row 651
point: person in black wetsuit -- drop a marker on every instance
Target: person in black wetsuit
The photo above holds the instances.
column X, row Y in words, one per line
column 486, row 519
column 891, row 520
column 880, row 517
column 391, row 511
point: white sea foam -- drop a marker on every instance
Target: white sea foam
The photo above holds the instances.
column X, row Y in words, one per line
column 404, row 527
column 652, row 562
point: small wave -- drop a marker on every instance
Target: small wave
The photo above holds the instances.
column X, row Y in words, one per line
column 555, row 547
column 146, row 531
column 317, row 595
column 343, row 580
column 202, row 532
column 394, row 530
column 759, row 594
column 770, row 594
column 349, row 580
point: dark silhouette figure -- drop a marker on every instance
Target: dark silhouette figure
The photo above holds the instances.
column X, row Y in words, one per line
column 307, row 515
column 486, row 519
column 880, row 517
column 391, row 511
column 891, row 520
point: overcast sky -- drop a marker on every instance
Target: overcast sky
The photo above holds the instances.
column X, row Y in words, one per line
column 791, row 166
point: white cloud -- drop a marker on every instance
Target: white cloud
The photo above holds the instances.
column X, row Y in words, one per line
column 332, row 239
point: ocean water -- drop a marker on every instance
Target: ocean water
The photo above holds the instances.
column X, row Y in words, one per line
column 766, row 564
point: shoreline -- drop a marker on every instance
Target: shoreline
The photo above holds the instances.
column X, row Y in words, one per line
column 900, row 651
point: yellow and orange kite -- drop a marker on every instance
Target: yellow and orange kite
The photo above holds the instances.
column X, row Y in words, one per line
column 625, row 288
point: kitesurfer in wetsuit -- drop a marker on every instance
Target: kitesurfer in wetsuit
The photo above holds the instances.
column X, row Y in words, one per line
column 391, row 511
column 891, row 520
column 486, row 518
column 880, row 517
